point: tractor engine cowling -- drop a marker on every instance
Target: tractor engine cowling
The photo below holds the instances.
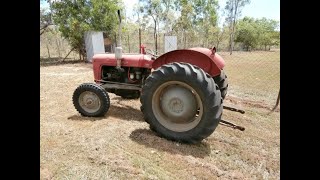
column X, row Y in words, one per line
column 130, row 75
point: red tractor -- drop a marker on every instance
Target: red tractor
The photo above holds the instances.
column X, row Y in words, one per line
column 181, row 92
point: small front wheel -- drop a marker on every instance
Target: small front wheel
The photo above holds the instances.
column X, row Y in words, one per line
column 91, row 100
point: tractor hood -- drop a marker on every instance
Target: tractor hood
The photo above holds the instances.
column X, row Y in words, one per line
column 127, row 60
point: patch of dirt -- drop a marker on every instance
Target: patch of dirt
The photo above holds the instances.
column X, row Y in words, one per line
column 245, row 102
column 45, row 174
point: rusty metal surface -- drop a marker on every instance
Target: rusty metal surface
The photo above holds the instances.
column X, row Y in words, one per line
column 234, row 109
column 229, row 124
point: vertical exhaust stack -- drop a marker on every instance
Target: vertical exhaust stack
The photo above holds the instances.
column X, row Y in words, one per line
column 118, row 50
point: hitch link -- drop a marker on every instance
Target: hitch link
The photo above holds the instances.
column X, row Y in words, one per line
column 229, row 124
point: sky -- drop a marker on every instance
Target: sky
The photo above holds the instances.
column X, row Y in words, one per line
column 269, row 9
column 257, row 8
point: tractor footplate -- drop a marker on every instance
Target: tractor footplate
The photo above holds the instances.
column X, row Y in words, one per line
column 229, row 124
column 234, row 109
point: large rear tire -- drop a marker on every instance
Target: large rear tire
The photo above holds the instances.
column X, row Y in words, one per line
column 181, row 102
column 91, row 100
column 222, row 81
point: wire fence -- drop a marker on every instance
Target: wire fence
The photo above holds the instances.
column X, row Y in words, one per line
column 54, row 47
column 253, row 76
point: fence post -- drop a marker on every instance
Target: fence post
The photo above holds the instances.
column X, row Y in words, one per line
column 277, row 103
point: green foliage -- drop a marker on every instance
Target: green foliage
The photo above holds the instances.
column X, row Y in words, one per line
column 247, row 33
column 197, row 19
column 160, row 12
column 233, row 10
column 75, row 17
column 257, row 32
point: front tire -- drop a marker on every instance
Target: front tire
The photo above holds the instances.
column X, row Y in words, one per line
column 181, row 102
column 91, row 100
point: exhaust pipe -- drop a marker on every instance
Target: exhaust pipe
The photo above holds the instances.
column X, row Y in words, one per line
column 118, row 50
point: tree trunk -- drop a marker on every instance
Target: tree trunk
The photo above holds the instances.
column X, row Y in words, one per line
column 80, row 54
column 185, row 40
column 155, row 33
column 230, row 42
column 182, row 39
column 48, row 50
column 140, row 40
column 67, row 55
column 207, row 46
column 218, row 46
column 156, row 43
column 233, row 26
column 265, row 47
column 129, row 43
column 58, row 46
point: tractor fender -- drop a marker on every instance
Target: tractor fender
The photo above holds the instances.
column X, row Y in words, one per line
column 204, row 58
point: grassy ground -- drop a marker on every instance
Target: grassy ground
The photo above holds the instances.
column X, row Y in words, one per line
column 121, row 145
column 254, row 75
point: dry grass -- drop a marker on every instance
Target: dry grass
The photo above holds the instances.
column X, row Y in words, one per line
column 121, row 146
column 254, row 75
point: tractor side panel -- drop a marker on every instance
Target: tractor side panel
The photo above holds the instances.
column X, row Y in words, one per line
column 201, row 57
column 128, row 60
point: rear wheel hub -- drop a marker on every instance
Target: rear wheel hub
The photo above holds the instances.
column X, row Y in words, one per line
column 178, row 104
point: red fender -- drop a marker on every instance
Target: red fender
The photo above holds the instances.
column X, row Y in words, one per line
column 206, row 59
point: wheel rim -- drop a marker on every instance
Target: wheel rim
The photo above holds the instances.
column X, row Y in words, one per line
column 177, row 106
column 89, row 101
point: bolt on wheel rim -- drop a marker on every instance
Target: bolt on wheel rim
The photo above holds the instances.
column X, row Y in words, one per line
column 89, row 101
column 177, row 106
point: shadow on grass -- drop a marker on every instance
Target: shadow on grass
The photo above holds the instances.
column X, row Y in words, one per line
column 57, row 61
column 150, row 139
column 124, row 113
column 82, row 118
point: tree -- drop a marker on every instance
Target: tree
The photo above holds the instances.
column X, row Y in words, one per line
column 257, row 32
column 247, row 33
column 75, row 17
column 267, row 34
column 184, row 22
column 233, row 9
column 205, row 18
column 45, row 20
column 153, row 9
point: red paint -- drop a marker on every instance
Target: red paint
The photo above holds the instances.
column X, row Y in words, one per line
column 128, row 60
column 142, row 49
column 204, row 58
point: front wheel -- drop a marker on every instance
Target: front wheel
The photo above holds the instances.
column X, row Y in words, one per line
column 181, row 102
column 91, row 100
